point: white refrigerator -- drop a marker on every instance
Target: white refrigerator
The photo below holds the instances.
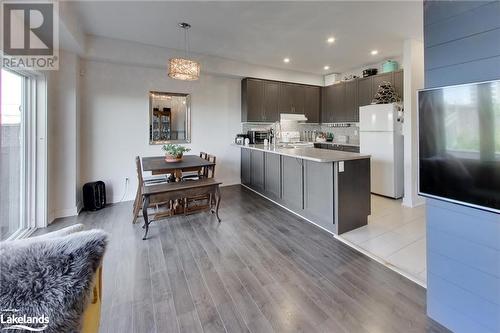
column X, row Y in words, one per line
column 380, row 135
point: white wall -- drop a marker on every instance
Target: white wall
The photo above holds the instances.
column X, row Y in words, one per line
column 62, row 136
column 114, row 122
column 413, row 61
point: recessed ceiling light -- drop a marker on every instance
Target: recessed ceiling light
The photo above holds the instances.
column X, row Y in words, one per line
column 326, row 68
column 374, row 52
column 330, row 40
column 286, row 60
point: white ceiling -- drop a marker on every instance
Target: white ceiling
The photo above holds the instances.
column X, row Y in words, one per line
column 264, row 33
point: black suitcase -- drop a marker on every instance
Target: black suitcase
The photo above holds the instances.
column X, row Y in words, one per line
column 94, row 195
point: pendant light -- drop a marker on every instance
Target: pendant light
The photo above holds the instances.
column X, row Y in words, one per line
column 183, row 68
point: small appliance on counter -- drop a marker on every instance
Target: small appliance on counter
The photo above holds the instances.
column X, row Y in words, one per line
column 240, row 139
column 321, row 137
column 258, row 136
column 290, row 136
column 369, row 72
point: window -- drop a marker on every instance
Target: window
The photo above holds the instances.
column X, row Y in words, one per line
column 11, row 151
column 461, row 119
column 22, row 154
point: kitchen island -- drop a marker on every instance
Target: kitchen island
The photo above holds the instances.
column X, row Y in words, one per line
column 326, row 187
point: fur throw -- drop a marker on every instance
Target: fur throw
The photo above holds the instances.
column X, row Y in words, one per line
column 51, row 277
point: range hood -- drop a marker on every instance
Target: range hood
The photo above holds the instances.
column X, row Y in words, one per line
column 292, row 117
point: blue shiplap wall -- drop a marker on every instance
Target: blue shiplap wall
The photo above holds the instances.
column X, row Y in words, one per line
column 462, row 45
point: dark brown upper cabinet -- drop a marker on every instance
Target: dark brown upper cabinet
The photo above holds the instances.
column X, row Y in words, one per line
column 298, row 99
column 338, row 107
column 365, row 94
column 252, row 95
column 399, row 83
column 292, row 98
column 341, row 101
column 271, row 101
column 264, row 100
column 285, row 98
column 395, row 78
column 378, row 79
column 312, row 104
column 259, row 100
column 351, row 107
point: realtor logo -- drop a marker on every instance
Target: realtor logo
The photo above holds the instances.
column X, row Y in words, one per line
column 30, row 35
column 10, row 320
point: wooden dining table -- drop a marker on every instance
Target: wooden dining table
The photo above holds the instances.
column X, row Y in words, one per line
column 158, row 166
column 162, row 192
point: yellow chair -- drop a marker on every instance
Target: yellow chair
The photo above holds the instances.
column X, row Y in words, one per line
column 92, row 315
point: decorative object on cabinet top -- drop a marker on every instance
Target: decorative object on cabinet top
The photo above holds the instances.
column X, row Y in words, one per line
column 385, row 94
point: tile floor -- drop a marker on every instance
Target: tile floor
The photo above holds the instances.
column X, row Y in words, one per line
column 395, row 235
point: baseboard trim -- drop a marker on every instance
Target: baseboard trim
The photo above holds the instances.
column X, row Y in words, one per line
column 57, row 214
column 79, row 207
column 407, row 202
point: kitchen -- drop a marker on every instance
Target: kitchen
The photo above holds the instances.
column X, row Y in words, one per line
column 319, row 153
column 337, row 216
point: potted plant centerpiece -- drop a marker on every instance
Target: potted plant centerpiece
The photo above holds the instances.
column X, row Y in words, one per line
column 173, row 153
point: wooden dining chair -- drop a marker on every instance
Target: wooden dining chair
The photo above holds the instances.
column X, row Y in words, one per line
column 202, row 202
column 209, row 172
column 192, row 175
column 140, row 183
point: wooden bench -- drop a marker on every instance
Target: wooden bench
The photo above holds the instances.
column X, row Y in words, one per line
column 160, row 193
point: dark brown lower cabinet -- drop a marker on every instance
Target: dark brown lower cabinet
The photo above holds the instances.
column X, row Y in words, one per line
column 353, row 195
column 332, row 195
column 318, row 198
column 291, row 186
column 245, row 167
column 272, row 176
column 257, row 170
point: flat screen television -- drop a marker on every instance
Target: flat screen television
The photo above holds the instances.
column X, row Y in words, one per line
column 459, row 144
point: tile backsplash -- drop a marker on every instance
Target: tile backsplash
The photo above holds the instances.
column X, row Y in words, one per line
column 349, row 130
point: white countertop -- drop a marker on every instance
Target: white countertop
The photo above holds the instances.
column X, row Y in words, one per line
column 308, row 153
column 339, row 143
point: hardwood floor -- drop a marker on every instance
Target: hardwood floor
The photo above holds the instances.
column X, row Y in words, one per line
column 261, row 269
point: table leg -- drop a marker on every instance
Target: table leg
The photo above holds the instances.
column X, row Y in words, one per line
column 178, row 175
column 218, row 203
column 145, row 206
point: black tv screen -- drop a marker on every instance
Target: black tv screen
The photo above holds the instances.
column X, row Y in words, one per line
column 459, row 144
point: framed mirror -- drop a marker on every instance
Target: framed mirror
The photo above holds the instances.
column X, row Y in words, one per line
column 169, row 118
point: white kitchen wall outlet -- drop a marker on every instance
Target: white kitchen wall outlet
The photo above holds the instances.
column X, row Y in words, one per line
column 341, row 166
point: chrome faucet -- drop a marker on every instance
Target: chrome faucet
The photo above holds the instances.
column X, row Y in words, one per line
column 276, row 132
